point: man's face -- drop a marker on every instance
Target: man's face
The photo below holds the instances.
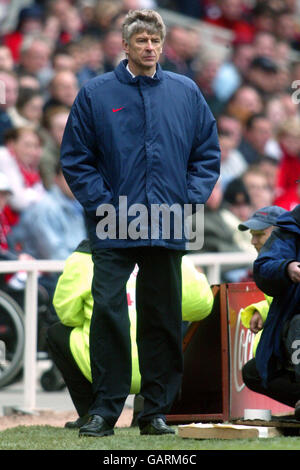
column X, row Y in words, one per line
column 143, row 51
column 27, row 148
column 11, row 89
column 260, row 133
column 259, row 237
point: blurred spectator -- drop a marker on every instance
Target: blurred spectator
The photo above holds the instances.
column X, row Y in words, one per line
column 204, row 75
column 232, row 16
column 19, row 160
column 222, row 214
column 175, row 51
column 30, row 22
column 52, row 29
column 71, row 25
column 6, row 58
column 27, row 80
column 55, row 120
column 263, row 18
column 283, row 53
column 94, row 62
column 9, row 82
column 35, row 56
column 11, row 283
column 104, row 14
column 232, row 162
column 275, row 112
column 5, row 227
column 286, row 28
column 290, row 198
column 245, row 102
column 258, row 131
column 289, row 166
column 263, row 75
column 291, row 108
column 29, row 108
column 63, row 89
column 63, row 60
column 256, row 183
column 269, row 167
column 112, row 49
column 77, row 53
column 232, row 127
column 232, row 73
column 264, row 45
column 57, row 8
column 54, row 226
column 237, row 199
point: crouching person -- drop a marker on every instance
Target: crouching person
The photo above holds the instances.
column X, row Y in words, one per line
column 68, row 339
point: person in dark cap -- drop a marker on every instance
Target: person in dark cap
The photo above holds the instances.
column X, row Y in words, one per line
column 262, row 74
column 275, row 372
column 261, row 225
column 237, row 199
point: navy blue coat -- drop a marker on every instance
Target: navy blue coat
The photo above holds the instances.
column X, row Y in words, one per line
column 153, row 140
column 270, row 275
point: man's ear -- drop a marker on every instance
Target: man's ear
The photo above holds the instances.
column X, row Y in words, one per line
column 125, row 46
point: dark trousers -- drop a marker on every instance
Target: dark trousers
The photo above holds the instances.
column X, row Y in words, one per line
column 284, row 386
column 80, row 389
column 159, row 338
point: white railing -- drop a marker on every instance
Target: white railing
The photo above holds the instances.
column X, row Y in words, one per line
column 213, row 261
column 31, row 294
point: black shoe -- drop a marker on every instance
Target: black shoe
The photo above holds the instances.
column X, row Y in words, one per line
column 156, row 427
column 78, row 423
column 97, row 427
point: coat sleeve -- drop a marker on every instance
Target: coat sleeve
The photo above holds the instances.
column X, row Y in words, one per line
column 269, row 269
column 204, row 162
column 197, row 296
column 72, row 289
column 79, row 157
column 246, row 314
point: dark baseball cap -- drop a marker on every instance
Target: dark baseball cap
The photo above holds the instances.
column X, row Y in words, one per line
column 236, row 193
column 264, row 63
column 262, row 218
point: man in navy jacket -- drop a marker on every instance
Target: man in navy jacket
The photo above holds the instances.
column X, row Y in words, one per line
column 139, row 147
column 277, row 273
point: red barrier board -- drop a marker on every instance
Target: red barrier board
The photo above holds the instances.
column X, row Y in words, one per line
column 240, row 351
column 215, row 350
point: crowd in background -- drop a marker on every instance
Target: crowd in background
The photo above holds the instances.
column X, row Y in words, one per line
column 53, row 47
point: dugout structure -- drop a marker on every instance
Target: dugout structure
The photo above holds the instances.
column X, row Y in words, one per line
column 215, row 350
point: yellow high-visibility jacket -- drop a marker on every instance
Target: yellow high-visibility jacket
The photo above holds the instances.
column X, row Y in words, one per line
column 263, row 308
column 73, row 302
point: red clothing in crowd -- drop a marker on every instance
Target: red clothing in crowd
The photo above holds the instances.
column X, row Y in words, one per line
column 14, row 41
column 289, row 200
column 5, row 228
column 288, row 173
column 244, row 31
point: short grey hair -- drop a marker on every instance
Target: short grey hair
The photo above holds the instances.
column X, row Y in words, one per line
column 137, row 21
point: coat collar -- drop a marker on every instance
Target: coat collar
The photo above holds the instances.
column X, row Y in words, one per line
column 124, row 76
